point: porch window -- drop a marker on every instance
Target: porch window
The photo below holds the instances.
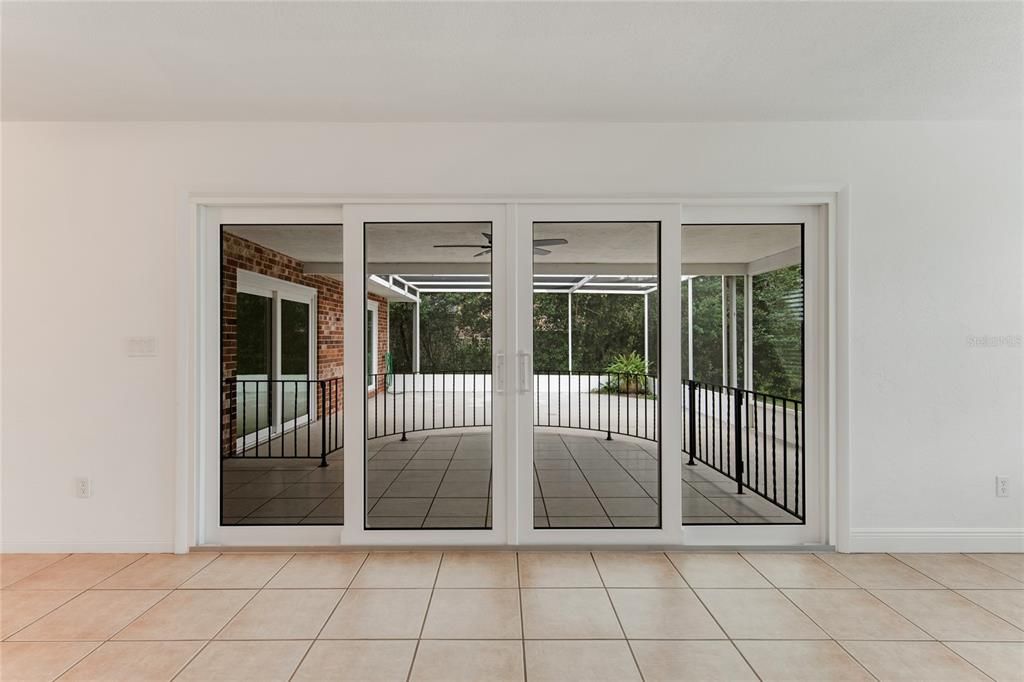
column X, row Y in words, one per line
column 276, row 351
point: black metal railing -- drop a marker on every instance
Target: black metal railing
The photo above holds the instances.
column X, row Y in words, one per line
column 298, row 418
column 611, row 402
column 404, row 403
column 755, row 439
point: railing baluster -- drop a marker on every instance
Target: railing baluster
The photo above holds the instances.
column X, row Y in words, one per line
column 738, row 438
column 244, row 419
column 785, row 458
column 692, row 407
column 775, row 466
column 797, row 426
column 323, row 428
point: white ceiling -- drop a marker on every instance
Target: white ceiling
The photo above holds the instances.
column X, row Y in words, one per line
column 552, row 61
column 588, row 242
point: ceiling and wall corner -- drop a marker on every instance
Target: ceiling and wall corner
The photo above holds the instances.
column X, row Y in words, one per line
column 722, row 98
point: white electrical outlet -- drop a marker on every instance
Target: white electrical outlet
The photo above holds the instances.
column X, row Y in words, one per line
column 1002, row 486
column 83, row 487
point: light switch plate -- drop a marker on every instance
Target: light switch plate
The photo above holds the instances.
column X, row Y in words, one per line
column 140, row 346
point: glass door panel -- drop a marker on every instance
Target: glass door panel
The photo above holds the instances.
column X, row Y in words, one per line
column 597, row 458
column 281, row 336
column 429, row 405
column 743, row 376
column 255, row 363
column 295, row 360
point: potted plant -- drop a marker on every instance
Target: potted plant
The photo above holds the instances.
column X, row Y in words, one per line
column 628, row 374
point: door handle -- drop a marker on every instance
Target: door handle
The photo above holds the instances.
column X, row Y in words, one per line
column 524, row 371
column 499, row 372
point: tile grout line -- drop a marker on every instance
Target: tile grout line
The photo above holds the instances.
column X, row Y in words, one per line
column 44, row 615
column 987, row 565
column 615, row 612
column 127, row 625
column 522, row 617
column 426, row 613
column 806, row 615
column 657, row 461
column 543, row 500
column 286, row 485
column 329, row 616
column 76, row 596
column 611, row 524
column 441, row 482
column 708, row 611
column 41, row 568
column 235, row 615
column 947, row 588
column 400, row 472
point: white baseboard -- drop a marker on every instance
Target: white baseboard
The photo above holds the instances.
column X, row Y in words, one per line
column 936, row 540
column 79, row 546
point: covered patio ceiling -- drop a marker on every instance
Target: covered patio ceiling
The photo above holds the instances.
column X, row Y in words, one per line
column 405, row 259
column 555, row 284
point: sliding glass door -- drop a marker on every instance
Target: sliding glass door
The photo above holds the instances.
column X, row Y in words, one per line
column 594, row 424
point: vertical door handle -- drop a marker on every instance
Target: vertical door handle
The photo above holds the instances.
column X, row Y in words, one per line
column 524, row 371
column 499, row 372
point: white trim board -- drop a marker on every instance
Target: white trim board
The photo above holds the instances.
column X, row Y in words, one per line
column 912, row 540
column 77, row 546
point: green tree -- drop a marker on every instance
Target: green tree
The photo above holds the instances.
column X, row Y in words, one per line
column 455, row 332
column 778, row 302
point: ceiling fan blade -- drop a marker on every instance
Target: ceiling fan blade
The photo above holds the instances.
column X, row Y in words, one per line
column 549, row 242
column 540, row 252
column 482, row 253
column 459, row 246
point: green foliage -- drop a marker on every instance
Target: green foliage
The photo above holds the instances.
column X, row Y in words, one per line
column 455, row 332
column 707, row 329
column 551, row 332
column 603, row 326
column 608, row 329
column 628, row 374
column 627, row 363
column 778, row 332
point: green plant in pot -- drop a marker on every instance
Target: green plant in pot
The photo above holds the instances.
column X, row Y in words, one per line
column 628, row 374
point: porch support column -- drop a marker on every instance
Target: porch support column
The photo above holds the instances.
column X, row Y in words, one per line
column 647, row 313
column 725, row 336
column 689, row 327
column 416, row 338
column 570, row 331
column 733, row 341
column 748, row 332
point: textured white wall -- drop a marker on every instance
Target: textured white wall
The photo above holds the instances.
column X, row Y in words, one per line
column 90, row 219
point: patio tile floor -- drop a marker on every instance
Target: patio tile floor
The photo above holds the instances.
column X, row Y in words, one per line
column 506, row 615
column 444, row 480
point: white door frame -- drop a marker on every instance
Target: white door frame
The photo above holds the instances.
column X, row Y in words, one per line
column 197, row 473
column 198, row 497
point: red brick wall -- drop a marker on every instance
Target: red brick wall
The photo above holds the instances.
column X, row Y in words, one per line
column 241, row 254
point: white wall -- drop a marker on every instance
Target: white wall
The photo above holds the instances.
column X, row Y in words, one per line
column 90, row 220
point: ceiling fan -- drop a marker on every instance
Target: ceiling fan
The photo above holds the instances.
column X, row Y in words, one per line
column 538, row 245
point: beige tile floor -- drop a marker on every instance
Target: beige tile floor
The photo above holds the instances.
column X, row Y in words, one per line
column 480, row 615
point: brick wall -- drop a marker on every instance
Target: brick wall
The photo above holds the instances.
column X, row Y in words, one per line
column 241, row 254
